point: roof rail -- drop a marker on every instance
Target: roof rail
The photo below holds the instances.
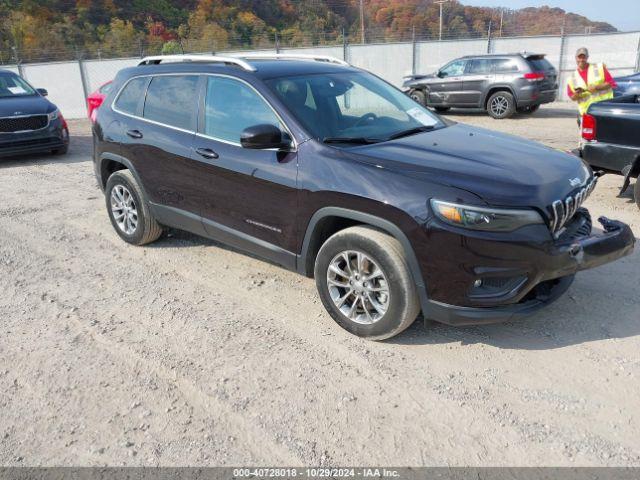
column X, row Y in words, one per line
column 291, row 56
column 156, row 59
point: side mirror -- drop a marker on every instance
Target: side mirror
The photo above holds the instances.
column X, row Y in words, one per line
column 441, row 74
column 42, row 91
column 262, row 137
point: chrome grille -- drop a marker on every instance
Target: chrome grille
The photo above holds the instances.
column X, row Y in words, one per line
column 23, row 123
column 561, row 211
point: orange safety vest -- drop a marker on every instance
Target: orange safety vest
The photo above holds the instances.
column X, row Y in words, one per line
column 595, row 76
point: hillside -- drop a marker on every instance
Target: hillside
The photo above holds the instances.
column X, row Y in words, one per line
column 46, row 30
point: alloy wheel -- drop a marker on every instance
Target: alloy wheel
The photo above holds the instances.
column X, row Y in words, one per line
column 123, row 209
column 499, row 105
column 358, row 287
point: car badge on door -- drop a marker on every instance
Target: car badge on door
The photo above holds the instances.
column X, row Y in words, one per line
column 574, row 182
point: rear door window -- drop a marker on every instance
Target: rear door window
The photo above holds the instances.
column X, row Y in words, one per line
column 131, row 96
column 481, row 66
column 172, row 100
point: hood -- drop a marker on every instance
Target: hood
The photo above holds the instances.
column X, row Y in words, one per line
column 418, row 79
column 27, row 105
column 502, row 169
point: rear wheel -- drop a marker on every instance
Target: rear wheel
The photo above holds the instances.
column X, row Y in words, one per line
column 129, row 211
column 365, row 284
column 636, row 191
column 418, row 96
column 501, row 105
column 529, row 110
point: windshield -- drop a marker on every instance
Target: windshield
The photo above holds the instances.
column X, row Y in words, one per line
column 354, row 106
column 12, row 85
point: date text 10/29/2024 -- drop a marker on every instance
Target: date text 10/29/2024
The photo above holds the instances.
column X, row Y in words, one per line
column 315, row 473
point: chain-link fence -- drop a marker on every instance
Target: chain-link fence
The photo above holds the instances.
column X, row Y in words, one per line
column 70, row 82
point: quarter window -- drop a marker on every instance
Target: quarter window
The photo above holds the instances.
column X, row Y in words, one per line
column 231, row 106
column 171, row 100
column 130, row 97
column 506, row 66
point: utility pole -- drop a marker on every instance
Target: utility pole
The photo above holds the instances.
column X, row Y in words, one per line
column 362, row 21
column 440, row 2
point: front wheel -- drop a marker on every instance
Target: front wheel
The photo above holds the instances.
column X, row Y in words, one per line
column 364, row 282
column 501, row 105
column 418, row 96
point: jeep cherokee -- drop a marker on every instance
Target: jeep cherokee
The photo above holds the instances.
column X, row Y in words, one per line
column 328, row 170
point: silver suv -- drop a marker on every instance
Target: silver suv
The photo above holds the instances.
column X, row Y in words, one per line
column 499, row 84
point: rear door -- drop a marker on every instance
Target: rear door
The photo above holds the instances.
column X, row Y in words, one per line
column 479, row 75
column 447, row 90
column 162, row 140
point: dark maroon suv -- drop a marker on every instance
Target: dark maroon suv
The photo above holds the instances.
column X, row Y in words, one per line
column 326, row 169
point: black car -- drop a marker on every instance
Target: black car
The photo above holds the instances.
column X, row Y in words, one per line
column 628, row 85
column 611, row 141
column 330, row 171
column 499, row 84
column 29, row 123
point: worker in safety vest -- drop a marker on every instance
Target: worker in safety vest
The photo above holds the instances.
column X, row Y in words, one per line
column 590, row 83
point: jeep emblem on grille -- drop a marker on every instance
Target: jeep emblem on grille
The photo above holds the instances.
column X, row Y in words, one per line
column 574, row 182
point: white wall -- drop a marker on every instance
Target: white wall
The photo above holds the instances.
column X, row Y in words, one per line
column 64, row 84
column 391, row 61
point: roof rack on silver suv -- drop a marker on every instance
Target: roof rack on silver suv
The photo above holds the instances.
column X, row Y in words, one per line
column 291, row 56
column 154, row 60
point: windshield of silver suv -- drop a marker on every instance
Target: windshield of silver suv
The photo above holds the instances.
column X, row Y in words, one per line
column 13, row 86
column 352, row 108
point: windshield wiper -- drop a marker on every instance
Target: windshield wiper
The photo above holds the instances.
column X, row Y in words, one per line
column 354, row 140
column 411, row 131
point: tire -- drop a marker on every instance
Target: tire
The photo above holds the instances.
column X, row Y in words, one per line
column 501, row 105
column 529, row 110
column 125, row 186
column 636, row 191
column 418, row 96
column 396, row 309
column 61, row 151
column 442, row 109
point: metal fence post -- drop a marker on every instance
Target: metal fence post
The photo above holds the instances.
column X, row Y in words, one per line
column 83, row 79
column 345, row 47
column 413, row 51
column 638, row 55
column 489, row 38
column 277, row 43
column 561, row 62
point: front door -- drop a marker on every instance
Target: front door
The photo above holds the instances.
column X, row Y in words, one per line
column 447, row 89
column 248, row 196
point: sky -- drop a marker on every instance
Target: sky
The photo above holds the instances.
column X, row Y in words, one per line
column 622, row 14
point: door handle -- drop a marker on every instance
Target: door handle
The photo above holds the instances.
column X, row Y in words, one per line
column 207, row 153
column 134, row 133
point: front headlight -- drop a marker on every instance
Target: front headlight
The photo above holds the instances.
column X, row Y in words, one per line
column 54, row 115
column 487, row 219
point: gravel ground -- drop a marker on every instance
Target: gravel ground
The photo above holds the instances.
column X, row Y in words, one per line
column 189, row 353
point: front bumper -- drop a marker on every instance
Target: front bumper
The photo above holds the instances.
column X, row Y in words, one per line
column 549, row 275
column 53, row 137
